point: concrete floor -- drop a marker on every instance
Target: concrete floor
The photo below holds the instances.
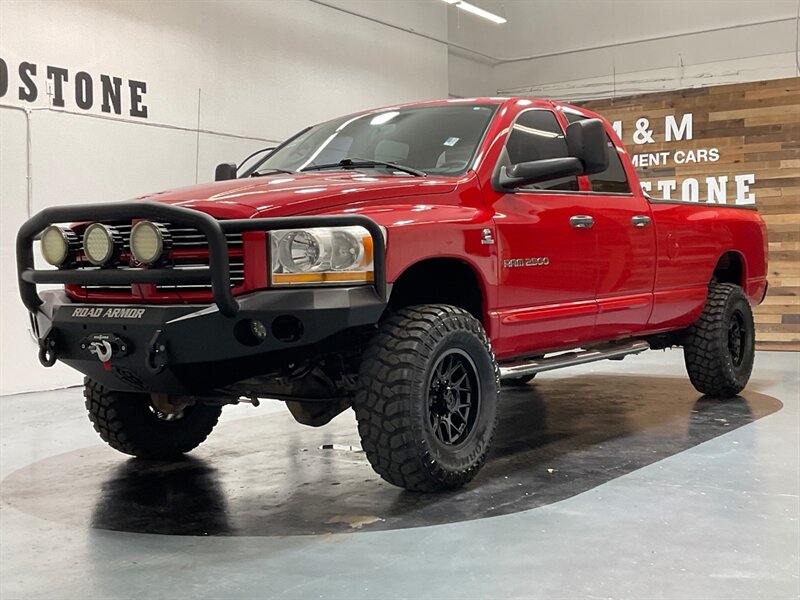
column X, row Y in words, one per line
column 627, row 486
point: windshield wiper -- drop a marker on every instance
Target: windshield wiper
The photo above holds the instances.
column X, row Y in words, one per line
column 354, row 163
column 270, row 172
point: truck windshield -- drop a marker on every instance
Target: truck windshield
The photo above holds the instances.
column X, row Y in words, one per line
column 437, row 140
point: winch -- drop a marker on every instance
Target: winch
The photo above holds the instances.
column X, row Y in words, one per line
column 105, row 346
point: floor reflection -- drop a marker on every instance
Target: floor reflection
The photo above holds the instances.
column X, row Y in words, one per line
column 178, row 498
column 266, row 475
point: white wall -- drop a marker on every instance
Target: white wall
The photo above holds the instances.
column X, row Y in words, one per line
column 742, row 53
column 540, row 28
column 264, row 70
column 600, row 48
column 470, row 76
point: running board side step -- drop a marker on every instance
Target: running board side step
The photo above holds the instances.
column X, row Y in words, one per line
column 570, row 359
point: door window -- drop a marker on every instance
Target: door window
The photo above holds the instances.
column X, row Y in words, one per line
column 536, row 135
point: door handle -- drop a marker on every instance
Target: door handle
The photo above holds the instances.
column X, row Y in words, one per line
column 640, row 221
column 581, row 221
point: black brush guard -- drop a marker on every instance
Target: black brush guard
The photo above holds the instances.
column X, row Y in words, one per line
column 218, row 271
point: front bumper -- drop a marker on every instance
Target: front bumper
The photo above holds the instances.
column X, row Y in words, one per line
column 193, row 349
column 190, row 348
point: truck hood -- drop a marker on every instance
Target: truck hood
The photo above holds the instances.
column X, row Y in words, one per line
column 294, row 194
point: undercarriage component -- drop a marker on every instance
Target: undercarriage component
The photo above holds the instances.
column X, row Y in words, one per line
column 171, row 405
column 316, row 414
column 314, row 392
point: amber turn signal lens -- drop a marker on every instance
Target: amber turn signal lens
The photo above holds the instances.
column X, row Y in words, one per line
column 328, row 277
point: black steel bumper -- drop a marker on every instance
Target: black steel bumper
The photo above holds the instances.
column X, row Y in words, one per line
column 189, row 349
column 192, row 349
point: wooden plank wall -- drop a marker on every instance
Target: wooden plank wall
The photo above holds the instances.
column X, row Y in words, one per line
column 755, row 128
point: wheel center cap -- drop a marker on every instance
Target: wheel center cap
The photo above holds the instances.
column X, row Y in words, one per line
column 450, row 399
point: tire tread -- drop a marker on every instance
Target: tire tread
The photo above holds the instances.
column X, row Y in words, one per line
column 705, row 349
column 398, row 350
column 106, row 415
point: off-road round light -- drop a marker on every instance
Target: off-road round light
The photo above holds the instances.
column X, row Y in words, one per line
column 99, row 243
column 148, row 242
column 56, row 244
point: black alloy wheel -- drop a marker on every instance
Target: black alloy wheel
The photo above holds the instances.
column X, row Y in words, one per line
column 454, row 397
column 737, row 339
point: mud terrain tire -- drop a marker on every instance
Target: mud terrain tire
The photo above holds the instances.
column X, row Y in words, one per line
column 720, row 347
column 128, row 423
column 426, row 403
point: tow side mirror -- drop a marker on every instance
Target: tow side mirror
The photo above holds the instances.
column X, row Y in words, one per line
column 586, row 141
column 587, row 154
column 225, row 171
column 536, row 171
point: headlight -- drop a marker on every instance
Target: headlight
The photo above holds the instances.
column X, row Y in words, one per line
column 302, row 251
column 347, row 249
column 100, row 242
column 149, row 242
column 327, row 255
column 57, row 244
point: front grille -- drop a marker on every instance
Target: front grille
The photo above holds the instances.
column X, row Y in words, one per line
column 237, row 274
column 188, row 237
column 189, row 249
column 124, row 230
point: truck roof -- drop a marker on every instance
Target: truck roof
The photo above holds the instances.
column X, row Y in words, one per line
column 534, row 102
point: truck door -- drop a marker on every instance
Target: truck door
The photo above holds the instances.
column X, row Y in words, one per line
column 626, row 245
column 547, row 248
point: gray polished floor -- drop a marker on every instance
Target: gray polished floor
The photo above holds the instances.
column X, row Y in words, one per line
column 613, row 480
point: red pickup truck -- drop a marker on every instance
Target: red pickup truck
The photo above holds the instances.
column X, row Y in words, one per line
column 402, row 261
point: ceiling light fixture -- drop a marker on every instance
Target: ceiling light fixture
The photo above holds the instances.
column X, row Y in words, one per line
column 476, row 10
